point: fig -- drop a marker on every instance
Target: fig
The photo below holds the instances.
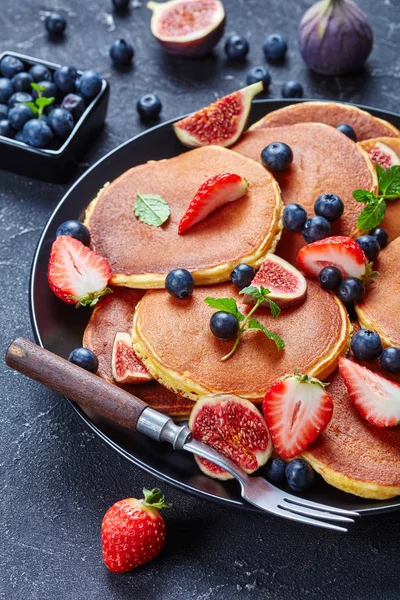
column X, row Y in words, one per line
column 220, row 123
column 234, row 427
column 187, row 27
column 383, row 155
column 286, row 284
column 126, row 366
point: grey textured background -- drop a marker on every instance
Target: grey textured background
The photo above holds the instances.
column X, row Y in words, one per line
column 57, row 478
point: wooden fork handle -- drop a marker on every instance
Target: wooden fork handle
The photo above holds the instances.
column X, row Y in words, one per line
column 88, row 390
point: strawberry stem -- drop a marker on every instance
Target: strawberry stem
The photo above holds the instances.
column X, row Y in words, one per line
column 242, row 330
column 155, row 498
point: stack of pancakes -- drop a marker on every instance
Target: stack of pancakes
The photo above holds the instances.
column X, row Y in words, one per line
column 172, row 336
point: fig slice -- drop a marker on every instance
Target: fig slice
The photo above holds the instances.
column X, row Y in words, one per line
column 220, row 123
column 383, row 155
column 126, row 366
column 234, row 427
column 187, row 27
column 287, row 285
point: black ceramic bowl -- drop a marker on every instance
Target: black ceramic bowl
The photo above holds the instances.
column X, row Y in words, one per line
column 54, row 165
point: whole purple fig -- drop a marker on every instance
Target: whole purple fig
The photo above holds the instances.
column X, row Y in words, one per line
column 335, row 37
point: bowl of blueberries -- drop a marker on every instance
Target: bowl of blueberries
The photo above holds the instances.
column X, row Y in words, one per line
column 48, row 115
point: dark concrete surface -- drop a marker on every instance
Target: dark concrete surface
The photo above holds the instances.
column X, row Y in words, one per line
column 57, row 478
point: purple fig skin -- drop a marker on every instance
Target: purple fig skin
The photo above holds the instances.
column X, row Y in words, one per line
column 335, row 37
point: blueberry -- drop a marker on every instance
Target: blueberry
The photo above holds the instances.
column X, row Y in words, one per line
column 258, row 74
column 121, row 4
column 55, row 23
column 62, row 122
column 236, row 47
column 19, row 115
column 292, row 89
column 370, row 246
column 329, row 206
column 390, row 360
column 37, row 133
column 74, row 104
column 75, row 229
column 381, row 235
column 366, row 345
column 5, row 129
column 299, row 475
column 3, row 111
column 149, row 106
column 224, row 325
column 19, row 97
column 330, row 278
column 347, row 130
column 275, row 469
column 89, row 84
column 179, row 283
column 294, row 217
column 10, row 66
column 316, row 228
column 22, row 82
column 40, row 73
column 121, row 52
column 84, row 358
column 64, row 78
column 242, row 275
column 19, row 136
column 351, row 290
column 49, row 89
column 6, row 89
column 277, row 157
column 275, row 47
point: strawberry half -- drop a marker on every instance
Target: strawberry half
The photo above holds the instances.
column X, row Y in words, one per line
column 214, row 193
column 76, row 274
column 296, row 409
column 336, row 251
column 377, row 399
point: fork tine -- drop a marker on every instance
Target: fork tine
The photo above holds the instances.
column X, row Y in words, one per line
column 318, row 506
column 306, row 520
column 318, row 514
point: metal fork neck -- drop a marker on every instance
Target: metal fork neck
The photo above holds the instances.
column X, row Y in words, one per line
column 163, row 429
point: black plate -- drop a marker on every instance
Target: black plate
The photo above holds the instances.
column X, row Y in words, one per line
column 59, row 327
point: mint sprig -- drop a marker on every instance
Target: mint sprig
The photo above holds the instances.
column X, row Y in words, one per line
column 375, row 204
column 247, row 323
column 151, row 209
column 40, row 103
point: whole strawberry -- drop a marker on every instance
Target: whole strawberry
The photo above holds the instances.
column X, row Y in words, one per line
column 133, row 531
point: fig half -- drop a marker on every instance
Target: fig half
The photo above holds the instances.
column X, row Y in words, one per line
column 287, row 285
column 126, row 366
column 383, row 155
column 187, row 27
column 220, row 123
column 234, row 427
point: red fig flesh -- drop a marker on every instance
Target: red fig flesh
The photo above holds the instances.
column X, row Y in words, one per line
column 221, row 123
column 383, row 155
column 126, row 366
column 286, row 284
column 234, row 427
column 187, row 27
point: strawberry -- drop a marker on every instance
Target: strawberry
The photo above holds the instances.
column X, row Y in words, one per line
column 336, row 251
column 377, row 399
column 133, row 531
column 296, row 409
column 76, row 274
column 214, row 193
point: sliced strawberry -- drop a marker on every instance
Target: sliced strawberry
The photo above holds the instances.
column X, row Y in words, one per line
column 377, row 399
column 76, row 274
column 336, row 251
column 214, row 193
column 296, row 409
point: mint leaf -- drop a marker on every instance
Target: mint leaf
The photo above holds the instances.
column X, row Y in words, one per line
column 274, row 308
column 32, row 106
column 363, row 196
column 389, row 180
column 151, row 209
column 254, row 324
column 38, row 88
column 42, row 101
column 226, row 304
column 258, row 293
column 372, row 214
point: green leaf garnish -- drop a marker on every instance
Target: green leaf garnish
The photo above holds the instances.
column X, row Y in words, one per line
column 226, row 304
column 254, row 324
column 39, row 104
column 388, row 189
column 151, row 209
column 363, row 196
column 262, row 295
column 372, row 214
column 38, row 88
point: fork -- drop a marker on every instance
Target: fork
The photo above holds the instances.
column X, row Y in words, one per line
column 114, row 403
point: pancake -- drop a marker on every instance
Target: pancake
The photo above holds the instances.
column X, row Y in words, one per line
column 353, row 455
column 331, row 113
column 174, row 340
column 141, row 255
column 324, row 161
column 380, row 309
column 391, row 222
column 114, row 313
